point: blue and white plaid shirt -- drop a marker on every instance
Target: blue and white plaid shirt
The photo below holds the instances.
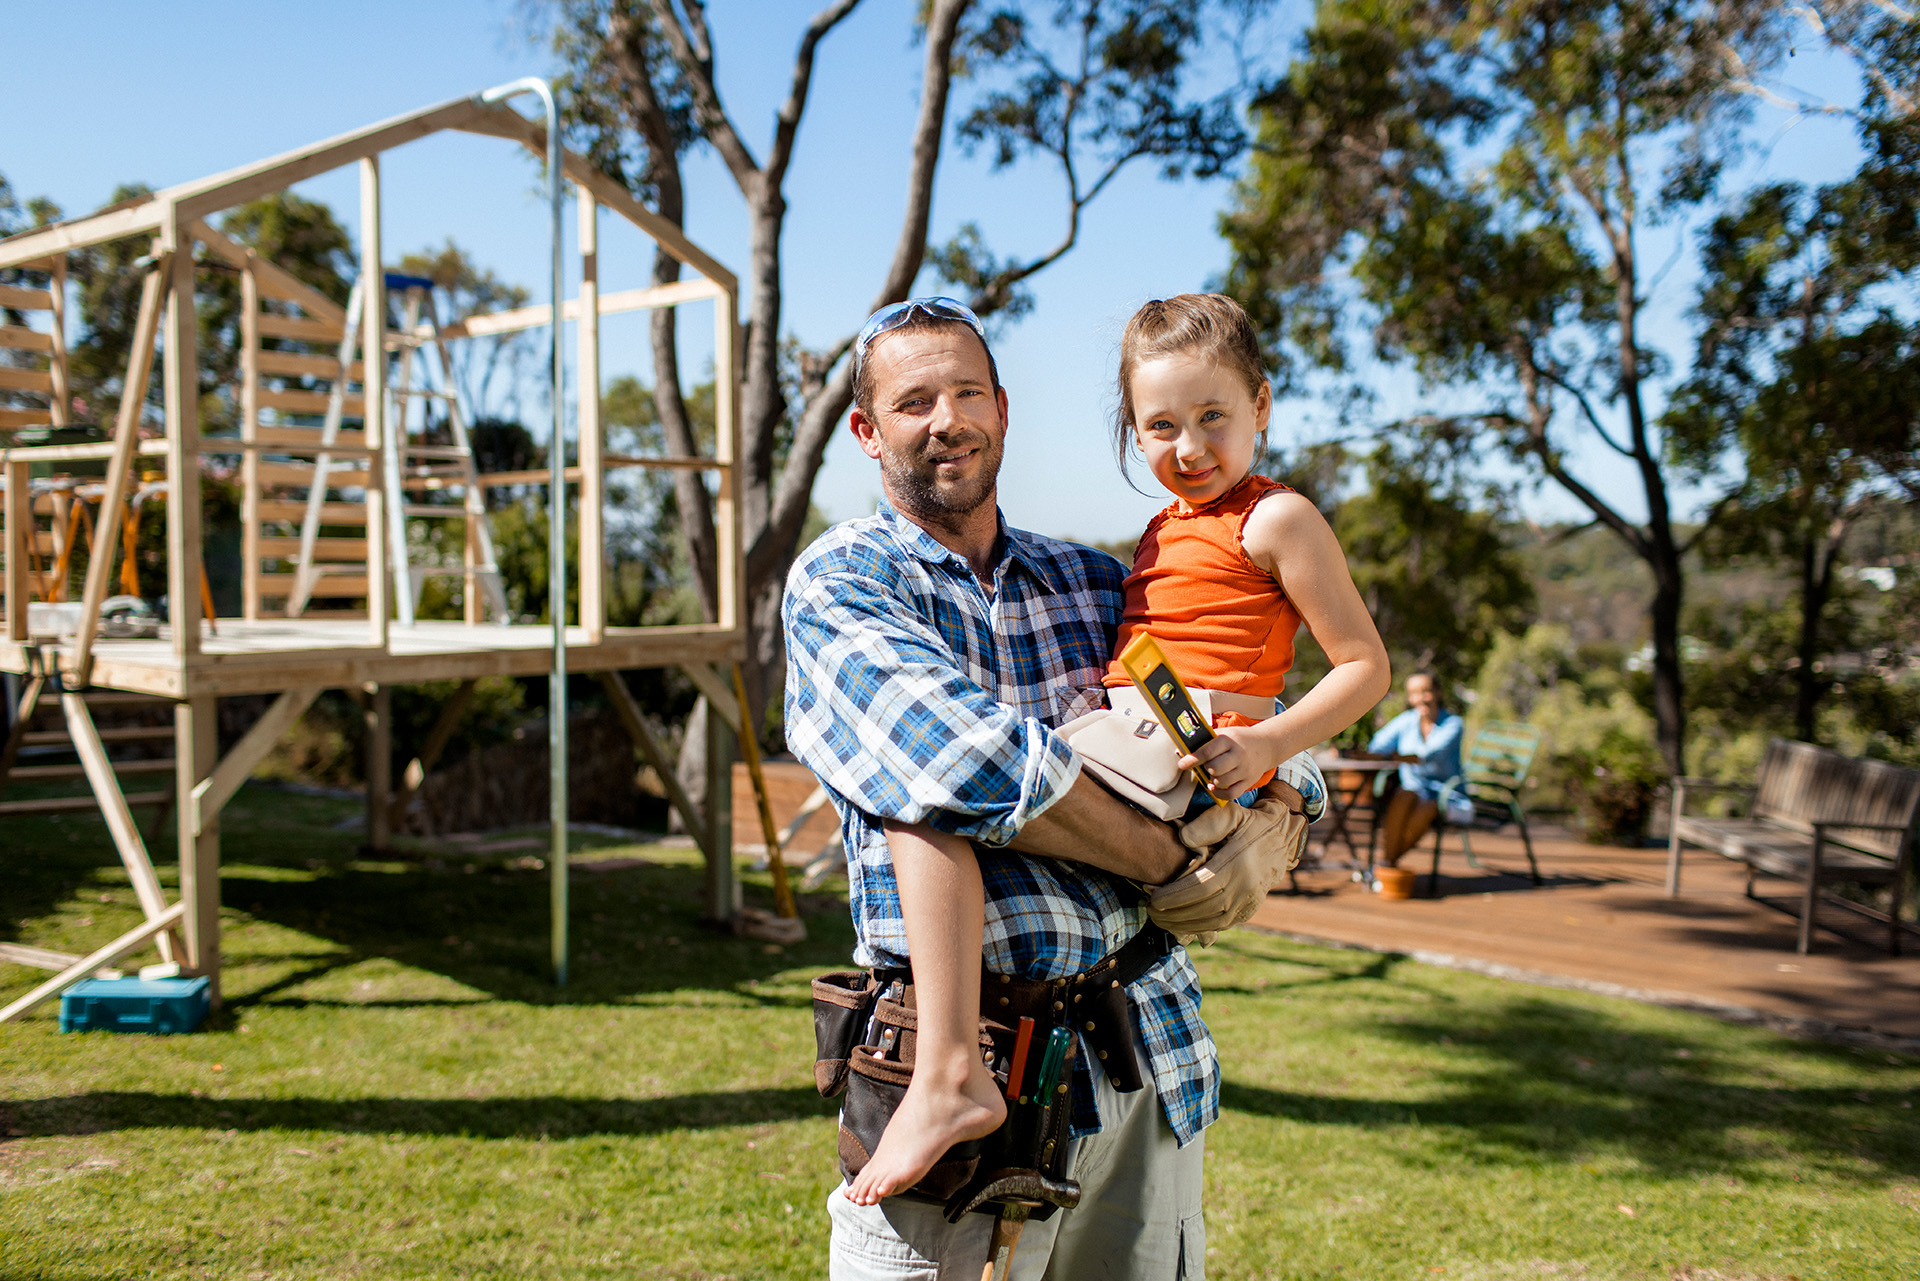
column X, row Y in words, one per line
column 916, row 697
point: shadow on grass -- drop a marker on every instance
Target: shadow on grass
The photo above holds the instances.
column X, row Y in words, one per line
column 634, row 930
column 548, row 1117
column 1528, row 1079
column 293, row 860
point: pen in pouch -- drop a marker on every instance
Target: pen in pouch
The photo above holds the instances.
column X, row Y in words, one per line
column 1016, row 1075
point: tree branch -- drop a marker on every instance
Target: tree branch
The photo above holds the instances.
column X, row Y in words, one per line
column 787, row 122
column 788, row 512
column 693, row 50
column 1586, row 411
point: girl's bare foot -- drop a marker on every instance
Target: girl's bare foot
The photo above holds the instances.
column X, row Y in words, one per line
column 940, row 1109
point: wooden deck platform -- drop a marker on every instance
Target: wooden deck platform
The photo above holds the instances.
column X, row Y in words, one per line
column 266, row 656
column 1603, row 922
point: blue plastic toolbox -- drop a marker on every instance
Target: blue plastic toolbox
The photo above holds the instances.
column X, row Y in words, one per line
column 134, row 1005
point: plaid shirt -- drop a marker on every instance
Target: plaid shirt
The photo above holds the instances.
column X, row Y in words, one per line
column 914, row 696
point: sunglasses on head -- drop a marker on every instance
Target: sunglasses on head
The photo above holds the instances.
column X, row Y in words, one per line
column 891, row 317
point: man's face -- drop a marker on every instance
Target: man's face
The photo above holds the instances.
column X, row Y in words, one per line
column 1421, row 696
column 938, row 426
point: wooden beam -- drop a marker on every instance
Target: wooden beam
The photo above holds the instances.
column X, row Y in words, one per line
column 717, row 690
column 40, row 958
column 17, row 534
column 301, row 329
column 61, row 401
column 502, row 121
column 373, row 335
column 17, row 732
column 273, row 280
column 437, row 739
column 182, row 369
column 129, row 942
column 628, row 711
column 148, row 214
column 729, row 552
column 25, row 299
column 196, row 749
column 113, row 807
column 211, row 794
column 34, row 380
column 20, row 338
column 264, row 177
column 535, row 316
column 250, row 371
column 722, row 879
column 593, row 602
column 379, row 722
column 126, row 440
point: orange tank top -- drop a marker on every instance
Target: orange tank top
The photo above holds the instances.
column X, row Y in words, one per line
column 1222, row 620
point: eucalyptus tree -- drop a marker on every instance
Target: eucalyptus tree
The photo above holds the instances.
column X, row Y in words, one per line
column 1087, row 87
column 1480, row 177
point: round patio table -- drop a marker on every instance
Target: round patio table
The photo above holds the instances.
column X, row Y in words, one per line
column 1350, row 793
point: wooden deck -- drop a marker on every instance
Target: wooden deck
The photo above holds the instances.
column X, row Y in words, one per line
column 270, row 655
column 1603, row 922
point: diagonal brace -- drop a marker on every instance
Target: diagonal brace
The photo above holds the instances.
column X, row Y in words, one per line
column 113, row 807
column 212, row 793
column 636, row 727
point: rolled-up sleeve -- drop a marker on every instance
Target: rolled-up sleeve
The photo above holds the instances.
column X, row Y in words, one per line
column 878, row 709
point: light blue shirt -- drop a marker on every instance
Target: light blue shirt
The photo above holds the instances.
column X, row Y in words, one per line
column 1439, row 752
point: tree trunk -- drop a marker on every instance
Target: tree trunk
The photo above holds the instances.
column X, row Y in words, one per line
column 1669, row 681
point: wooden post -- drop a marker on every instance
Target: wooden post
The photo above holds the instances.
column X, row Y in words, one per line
column 196, row 747
column 373, row 383
column 19, row 535
column 438, row 737
column 113, row 502
column 593, row 605
column 182, row 373
column 250, row 433
column 379, row 722
column 730, row 571
column 723, row 882
column 60, row 399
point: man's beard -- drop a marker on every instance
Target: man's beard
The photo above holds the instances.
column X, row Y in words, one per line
column 916, row 487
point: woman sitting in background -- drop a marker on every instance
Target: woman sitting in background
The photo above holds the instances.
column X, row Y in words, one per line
column 1430, row 733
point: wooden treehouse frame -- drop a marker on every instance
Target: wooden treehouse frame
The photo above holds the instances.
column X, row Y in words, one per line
column 367, row 652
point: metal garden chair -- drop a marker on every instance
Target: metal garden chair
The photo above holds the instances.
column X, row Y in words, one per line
column 1495, row 769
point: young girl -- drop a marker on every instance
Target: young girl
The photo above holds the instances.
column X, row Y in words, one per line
column 1223, row 579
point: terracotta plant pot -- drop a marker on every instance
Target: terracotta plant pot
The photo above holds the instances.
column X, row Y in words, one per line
column 1395, row 882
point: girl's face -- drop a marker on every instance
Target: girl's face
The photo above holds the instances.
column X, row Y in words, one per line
column 1197, row 425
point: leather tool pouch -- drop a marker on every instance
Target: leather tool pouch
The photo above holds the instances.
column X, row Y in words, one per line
column 842, row 1005
column 866, row 1033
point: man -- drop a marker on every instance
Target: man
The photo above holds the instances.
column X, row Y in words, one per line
column 932, row 650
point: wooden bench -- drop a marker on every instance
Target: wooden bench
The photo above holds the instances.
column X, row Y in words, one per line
column 1816, row 817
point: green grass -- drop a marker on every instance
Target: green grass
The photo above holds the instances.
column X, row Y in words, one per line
column 396, row 1090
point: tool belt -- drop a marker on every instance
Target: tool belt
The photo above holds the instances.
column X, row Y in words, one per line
column 865, row 1030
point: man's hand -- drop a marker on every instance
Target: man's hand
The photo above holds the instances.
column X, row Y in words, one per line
column 1243, row 854
column 1093, row 826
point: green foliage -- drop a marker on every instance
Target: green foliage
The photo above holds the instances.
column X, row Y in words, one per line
column 488, row 371
column 1438, row 573
column 1593, row 728
column 1474, row 176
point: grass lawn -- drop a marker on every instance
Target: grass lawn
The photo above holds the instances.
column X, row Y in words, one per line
column 395, row 1090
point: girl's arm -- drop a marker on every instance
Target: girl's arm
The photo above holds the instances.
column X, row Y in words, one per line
column 1286, row 536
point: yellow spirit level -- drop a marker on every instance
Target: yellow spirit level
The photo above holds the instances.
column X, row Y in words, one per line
column 1159, row 684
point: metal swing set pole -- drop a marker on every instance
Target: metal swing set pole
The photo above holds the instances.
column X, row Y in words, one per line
column 556, row 535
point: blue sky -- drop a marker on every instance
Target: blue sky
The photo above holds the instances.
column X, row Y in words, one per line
column 166, row 94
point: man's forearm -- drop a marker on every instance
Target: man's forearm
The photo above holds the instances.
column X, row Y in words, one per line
column 1093, row 826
